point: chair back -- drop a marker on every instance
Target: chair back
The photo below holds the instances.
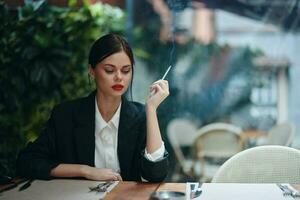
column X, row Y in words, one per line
column 281, row 134
column 218, row 140
column 262, row 164
column 214, row 144
column 181, row 132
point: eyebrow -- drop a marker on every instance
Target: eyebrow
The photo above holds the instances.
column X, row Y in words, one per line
column 110, row 65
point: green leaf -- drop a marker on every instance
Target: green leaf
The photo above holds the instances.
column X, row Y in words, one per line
column 72, row 3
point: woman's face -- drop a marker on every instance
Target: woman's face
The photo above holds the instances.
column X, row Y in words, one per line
column 113, row 74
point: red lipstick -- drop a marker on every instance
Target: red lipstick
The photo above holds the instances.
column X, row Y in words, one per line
column 117, row 87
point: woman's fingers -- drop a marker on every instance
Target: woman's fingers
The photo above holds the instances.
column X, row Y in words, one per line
column 115, row 176
column 160, row 82
column 119, row 178
column 160, row 85
column 159, row 88
column 104, row 175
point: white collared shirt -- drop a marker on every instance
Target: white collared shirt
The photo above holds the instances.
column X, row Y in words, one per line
column 106, row 142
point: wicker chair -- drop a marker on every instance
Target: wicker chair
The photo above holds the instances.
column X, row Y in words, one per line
column 262, row 164
column 214, row 144
column 181, row 133
column 281, row 134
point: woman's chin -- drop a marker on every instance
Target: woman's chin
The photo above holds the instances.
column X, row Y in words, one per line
column 117, row 93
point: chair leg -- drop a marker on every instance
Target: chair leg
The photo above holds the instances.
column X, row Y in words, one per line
column 177, row 172
column 202, row 164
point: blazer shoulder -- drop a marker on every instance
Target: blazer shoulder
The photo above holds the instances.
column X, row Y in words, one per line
column 138, row 107
column 132, row 110
column 72, row 107
column 69, row 105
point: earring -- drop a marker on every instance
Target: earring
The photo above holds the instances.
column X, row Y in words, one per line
column 90, row 76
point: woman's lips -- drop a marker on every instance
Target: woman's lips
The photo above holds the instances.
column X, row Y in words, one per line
column 117, row 87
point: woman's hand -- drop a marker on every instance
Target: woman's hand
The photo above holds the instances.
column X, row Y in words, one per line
column 96, row 174
column 159, row 90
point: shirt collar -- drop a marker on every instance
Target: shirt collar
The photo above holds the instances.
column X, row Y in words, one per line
column 101, row 123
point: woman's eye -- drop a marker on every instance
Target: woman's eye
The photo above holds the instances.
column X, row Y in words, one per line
column 125, row 71
column 109, row 71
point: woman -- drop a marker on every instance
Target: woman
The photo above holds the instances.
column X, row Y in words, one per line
column 103, row 136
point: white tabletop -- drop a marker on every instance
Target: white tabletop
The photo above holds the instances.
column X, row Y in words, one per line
column 233, row 191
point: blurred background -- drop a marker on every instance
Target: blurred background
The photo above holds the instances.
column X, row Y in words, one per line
column 233, row 82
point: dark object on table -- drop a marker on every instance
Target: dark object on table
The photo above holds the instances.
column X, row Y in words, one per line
column 164, row 195
column 8, row 183
column 101, row 187
column 26, row 185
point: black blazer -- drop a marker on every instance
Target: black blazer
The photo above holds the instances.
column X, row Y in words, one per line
column 69, row 137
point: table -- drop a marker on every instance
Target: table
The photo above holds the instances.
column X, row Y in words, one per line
column 132, row 190
column 78, row 189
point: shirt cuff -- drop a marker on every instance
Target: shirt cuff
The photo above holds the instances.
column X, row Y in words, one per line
column 144, row 180
column 156, row 155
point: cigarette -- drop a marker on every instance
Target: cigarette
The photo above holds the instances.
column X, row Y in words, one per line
column 164, row 76
column 166, row 73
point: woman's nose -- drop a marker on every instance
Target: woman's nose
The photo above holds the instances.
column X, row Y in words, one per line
column 118, row 76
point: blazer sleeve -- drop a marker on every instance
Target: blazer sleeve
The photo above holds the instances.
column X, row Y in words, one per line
column 155, row 171
column 38, row 158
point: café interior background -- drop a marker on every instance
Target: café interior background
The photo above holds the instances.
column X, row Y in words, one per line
column 234, row 62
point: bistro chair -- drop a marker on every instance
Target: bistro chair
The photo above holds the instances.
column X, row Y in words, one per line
column 181, row 133
column 281, row 134
column 214, row 144
column 262, row 164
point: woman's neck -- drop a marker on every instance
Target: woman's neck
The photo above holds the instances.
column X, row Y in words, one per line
column 107, row 105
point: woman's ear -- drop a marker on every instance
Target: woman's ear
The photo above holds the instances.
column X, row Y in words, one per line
column 91, row 72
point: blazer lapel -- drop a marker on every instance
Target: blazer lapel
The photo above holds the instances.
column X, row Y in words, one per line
column 84, row 131
column 127, row 136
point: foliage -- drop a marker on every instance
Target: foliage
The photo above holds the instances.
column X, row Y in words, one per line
column 159, row 55
column 43, row 61
column 202, row 80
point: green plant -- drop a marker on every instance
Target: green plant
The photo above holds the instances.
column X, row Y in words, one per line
column 43, row 61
